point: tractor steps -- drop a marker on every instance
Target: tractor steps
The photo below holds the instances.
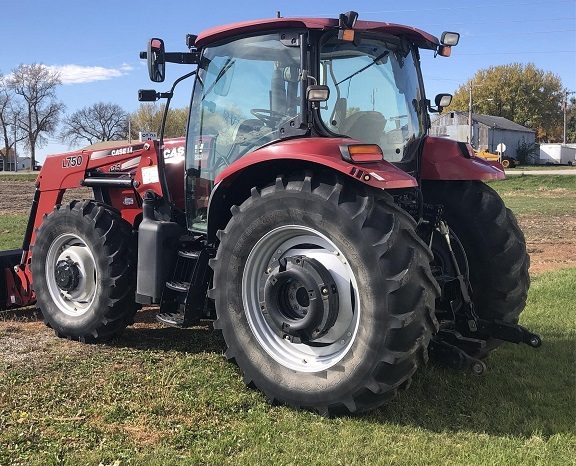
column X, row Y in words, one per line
column 184, row 296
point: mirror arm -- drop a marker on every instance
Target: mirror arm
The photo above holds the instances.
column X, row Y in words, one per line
column 183, row 58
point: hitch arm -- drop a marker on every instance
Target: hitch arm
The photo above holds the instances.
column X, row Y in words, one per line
column 512, row 333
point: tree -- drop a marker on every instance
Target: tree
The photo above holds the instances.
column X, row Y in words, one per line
column 99, row 122
column 39, row 111
column 8, row 118
column 522, row 93
column 148, row 117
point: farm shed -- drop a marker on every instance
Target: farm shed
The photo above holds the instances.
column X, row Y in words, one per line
column 488, row 131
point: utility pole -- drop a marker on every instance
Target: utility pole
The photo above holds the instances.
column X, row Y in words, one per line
column 15, row 156
column 566, row 94
column 470, row 114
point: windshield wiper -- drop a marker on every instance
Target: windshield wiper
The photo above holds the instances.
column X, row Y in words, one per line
column 375, row 60
column 227, row 65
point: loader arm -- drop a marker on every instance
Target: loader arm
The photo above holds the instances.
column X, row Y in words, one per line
column 117, row 176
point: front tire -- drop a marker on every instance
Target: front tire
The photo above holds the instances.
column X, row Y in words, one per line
column 83, row 270
column 365, row 343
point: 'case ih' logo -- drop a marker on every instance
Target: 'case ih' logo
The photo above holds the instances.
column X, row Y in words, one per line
column 122, row 151
column 72, row 161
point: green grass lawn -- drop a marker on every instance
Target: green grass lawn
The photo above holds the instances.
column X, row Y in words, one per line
column 546, row 195
column 12, row 229
column 166, row 396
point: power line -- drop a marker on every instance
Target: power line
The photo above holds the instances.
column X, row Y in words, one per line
column 520, row 52
column 518, row 33
column 448, row 8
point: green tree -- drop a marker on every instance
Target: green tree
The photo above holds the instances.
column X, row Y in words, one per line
column 522, row 93
column 148, row 117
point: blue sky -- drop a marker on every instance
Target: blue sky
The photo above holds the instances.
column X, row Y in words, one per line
column 95, row 44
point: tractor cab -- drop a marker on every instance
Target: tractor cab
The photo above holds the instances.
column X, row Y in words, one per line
column 260, row 83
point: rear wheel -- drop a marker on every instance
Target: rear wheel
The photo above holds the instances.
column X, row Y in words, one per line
column 324, row 294
column 491, row 243
column 83, row 269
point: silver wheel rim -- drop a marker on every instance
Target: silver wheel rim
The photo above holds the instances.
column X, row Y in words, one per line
column 291, row 240
column 77, row 301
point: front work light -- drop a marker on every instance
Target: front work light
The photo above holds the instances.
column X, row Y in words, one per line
column 449, row 38
column 362, row 153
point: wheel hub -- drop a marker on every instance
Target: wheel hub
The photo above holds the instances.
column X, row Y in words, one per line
column 67, row 275
column 300, row 299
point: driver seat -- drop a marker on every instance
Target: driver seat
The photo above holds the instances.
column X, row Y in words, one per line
column 367, row 126
column 247, row 132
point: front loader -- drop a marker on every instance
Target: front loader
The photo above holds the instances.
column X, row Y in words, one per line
column 307, row 213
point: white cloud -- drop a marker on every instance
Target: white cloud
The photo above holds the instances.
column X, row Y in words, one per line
column 78, row 74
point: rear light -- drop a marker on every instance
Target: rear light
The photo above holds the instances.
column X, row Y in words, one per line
column 362, row 153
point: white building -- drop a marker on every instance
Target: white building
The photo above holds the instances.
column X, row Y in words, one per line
column 563, row 154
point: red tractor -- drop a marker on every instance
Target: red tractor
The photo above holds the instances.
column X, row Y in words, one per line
column 307, row 213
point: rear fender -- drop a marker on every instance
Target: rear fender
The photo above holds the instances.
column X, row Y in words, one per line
column 446, row 159
column 313, row 154
column 324, row 152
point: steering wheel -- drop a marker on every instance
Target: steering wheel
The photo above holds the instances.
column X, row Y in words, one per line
column 269, row 117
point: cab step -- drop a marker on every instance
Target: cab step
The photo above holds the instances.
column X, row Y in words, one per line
column 175, row 319
column 183, row 301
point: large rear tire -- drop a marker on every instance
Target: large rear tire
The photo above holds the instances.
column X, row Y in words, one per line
column 83, row 270
column 377, row 318
column 495, row 248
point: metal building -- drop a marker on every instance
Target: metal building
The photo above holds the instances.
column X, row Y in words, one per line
column 488, row 131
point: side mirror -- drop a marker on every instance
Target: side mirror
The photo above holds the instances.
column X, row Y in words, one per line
column 316, row 93
column 156, row 59
column 443, row 100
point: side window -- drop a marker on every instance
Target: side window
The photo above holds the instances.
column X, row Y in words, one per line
column 244, row 91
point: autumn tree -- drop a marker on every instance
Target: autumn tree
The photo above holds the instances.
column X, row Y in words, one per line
column 39, row 109
column 99, row 122
column 148, row 117
column 522, row 93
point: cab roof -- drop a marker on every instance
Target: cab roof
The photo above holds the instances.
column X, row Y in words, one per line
column 420, row 38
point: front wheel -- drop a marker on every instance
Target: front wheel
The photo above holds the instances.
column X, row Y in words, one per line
column 83, row 270
column 324, row 294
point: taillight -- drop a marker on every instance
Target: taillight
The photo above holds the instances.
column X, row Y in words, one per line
column 361, row 153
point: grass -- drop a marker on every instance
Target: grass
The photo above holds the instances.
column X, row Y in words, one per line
column 160, row 396
column 165, row 396
column 26, row 176
column 545, row 195
column 541, row 167
column 12, row 229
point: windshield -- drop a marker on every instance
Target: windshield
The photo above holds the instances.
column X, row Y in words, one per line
column 245, row 91
column 375, row 95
